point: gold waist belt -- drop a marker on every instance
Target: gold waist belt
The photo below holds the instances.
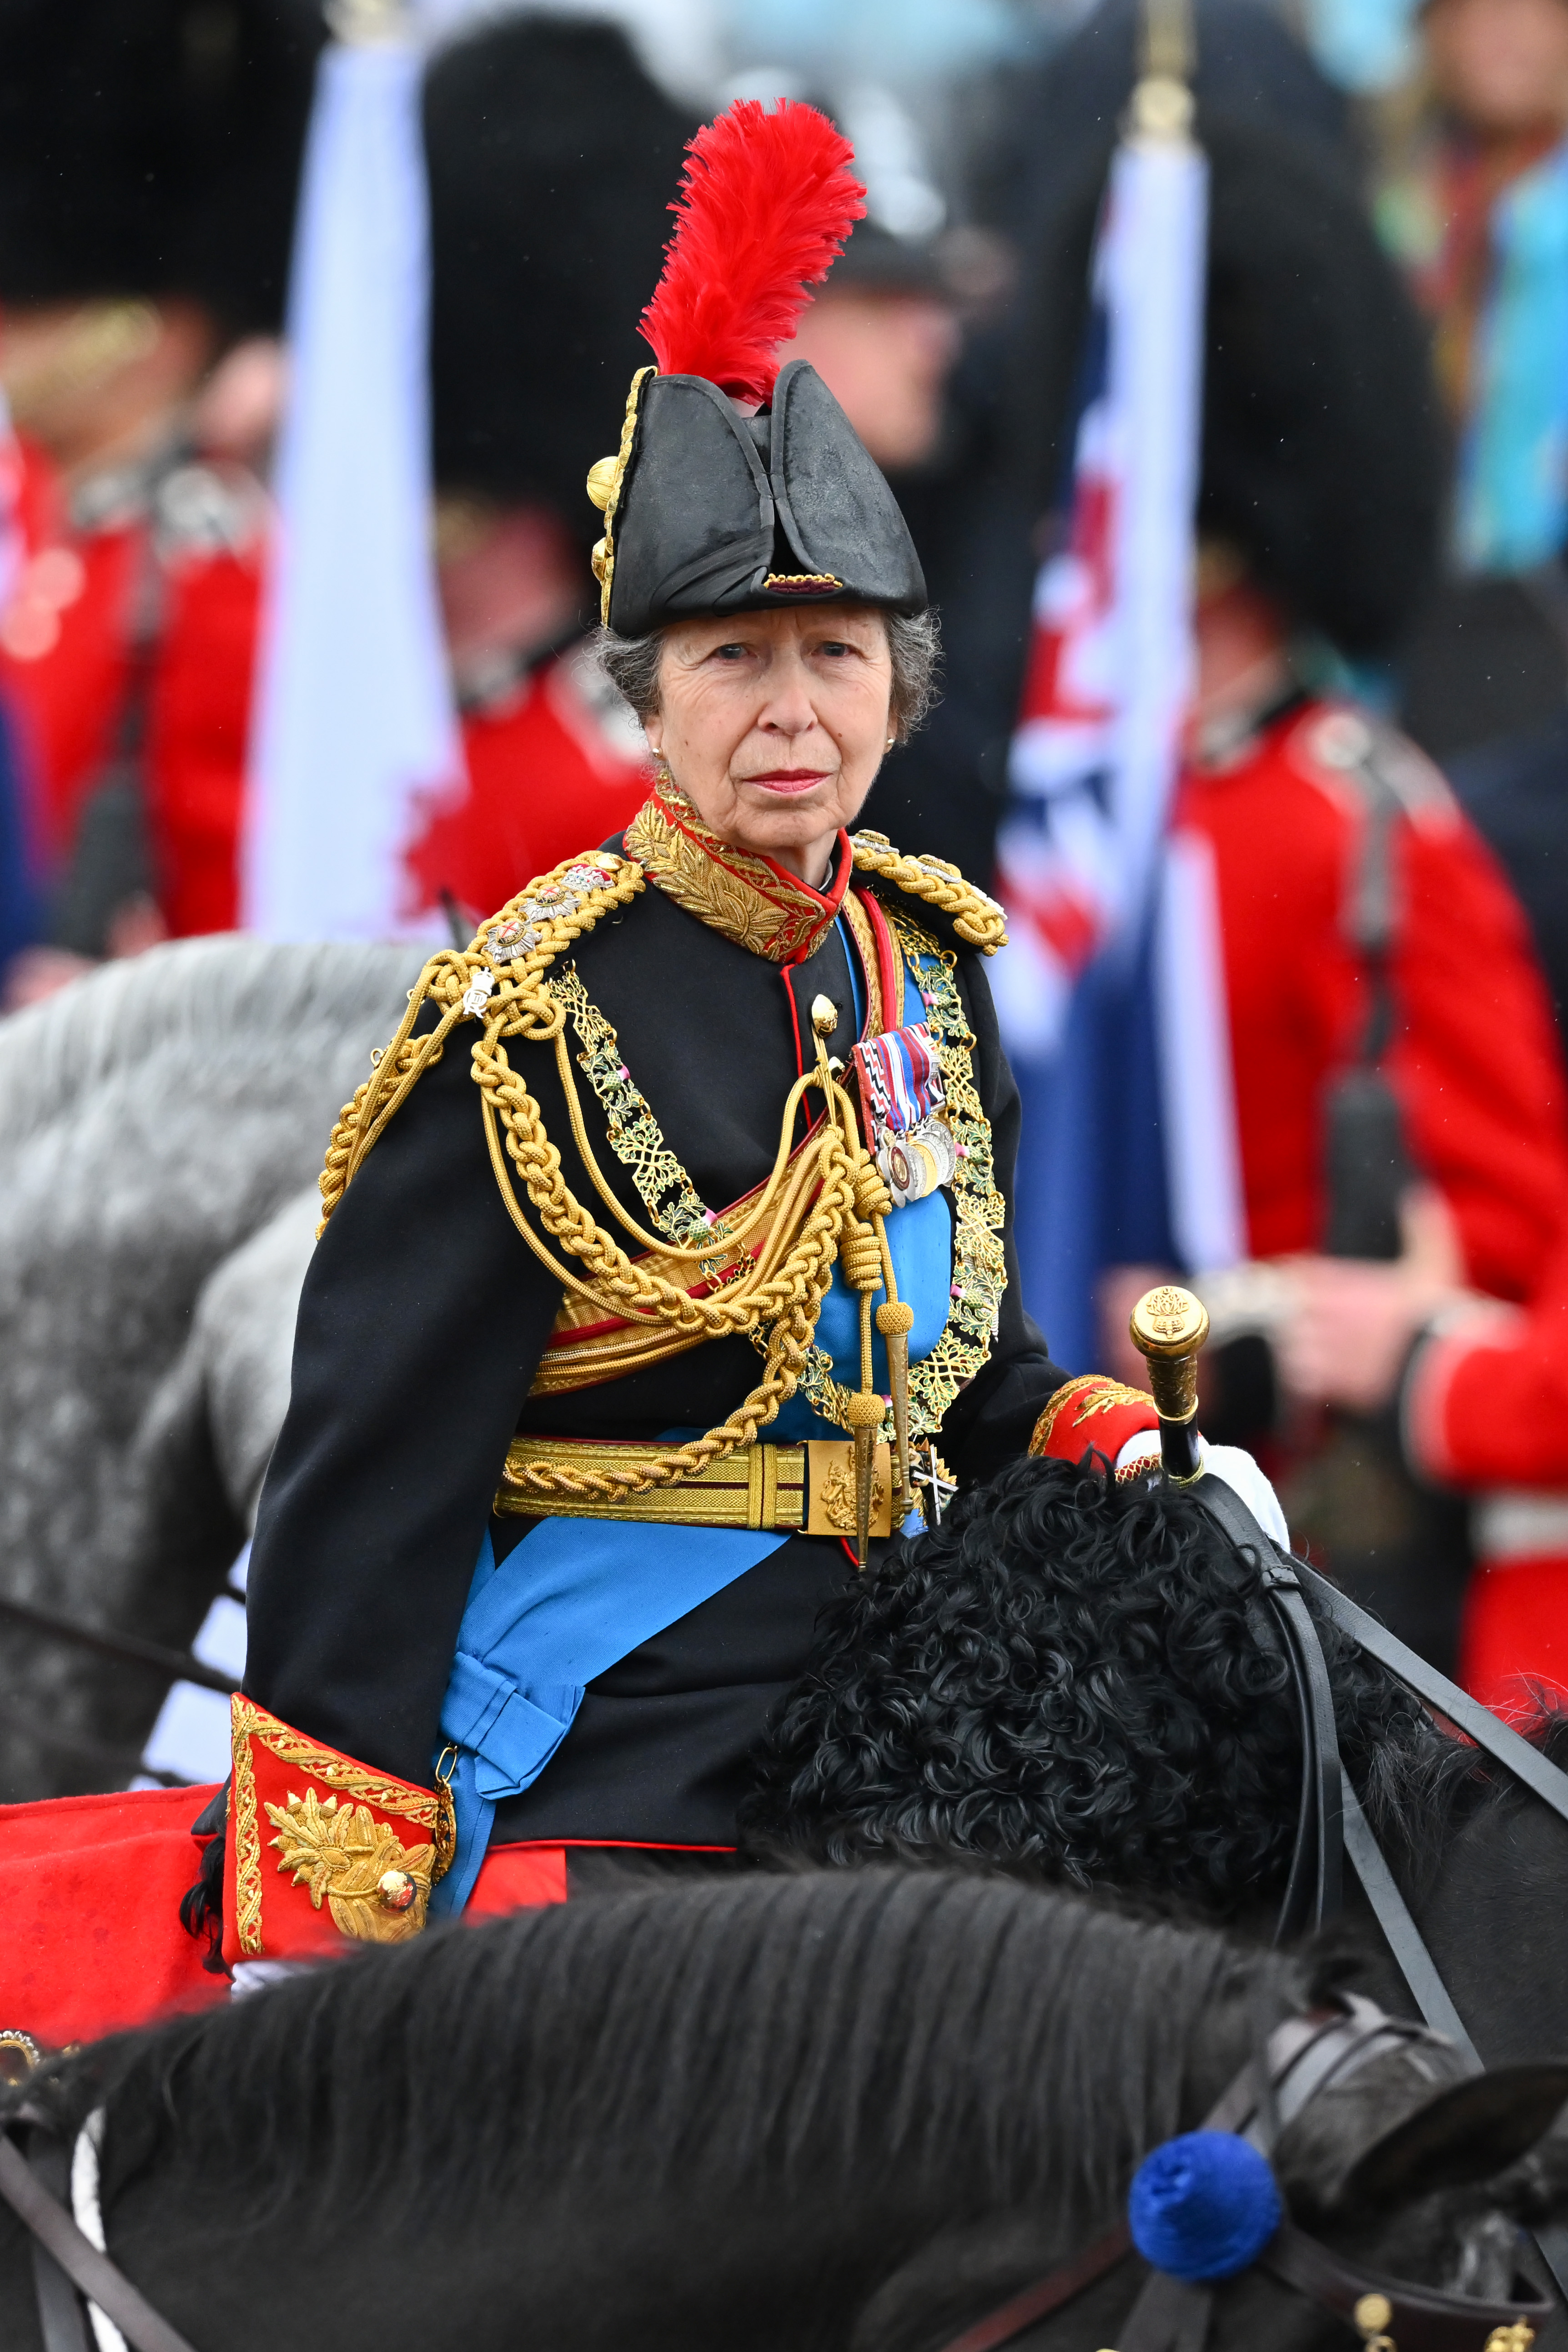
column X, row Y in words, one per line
column 808, row 1487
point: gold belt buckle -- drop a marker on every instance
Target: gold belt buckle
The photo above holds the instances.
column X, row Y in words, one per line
column 830, row 1488
column 809, row 1487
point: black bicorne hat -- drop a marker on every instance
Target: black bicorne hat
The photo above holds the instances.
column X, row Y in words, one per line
column 710, row 510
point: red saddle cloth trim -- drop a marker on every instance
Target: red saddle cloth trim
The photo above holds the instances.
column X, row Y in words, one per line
column 90, row 1938
column 518, row 1878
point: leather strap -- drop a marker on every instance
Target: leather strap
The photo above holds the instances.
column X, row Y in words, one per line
column 1424, row 2318
column 1045, row 2295
column 1170, row 2316
column 1403, row 1936
column 1546, row 1779
column 1496, row 1739
column 1314, row 1889
column 1428, row 1991
column 91, row 2272
column 1303, row 2056
column 62, row 2315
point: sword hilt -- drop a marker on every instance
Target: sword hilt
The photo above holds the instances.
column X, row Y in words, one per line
column 1168, row 1327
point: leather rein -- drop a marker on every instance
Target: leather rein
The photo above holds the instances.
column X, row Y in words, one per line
column 85, row 2303
column 1305, row 2056
column 1171, row 2315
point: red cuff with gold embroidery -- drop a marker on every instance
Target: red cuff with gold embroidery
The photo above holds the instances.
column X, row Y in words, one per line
column 320, row 1848
column 1092, row 1412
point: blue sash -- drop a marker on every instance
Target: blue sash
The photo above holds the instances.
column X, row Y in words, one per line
column 572, row 1600
column 576, row 1596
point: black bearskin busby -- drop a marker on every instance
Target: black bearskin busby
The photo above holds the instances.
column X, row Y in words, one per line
column 551, row 157
column 152, row 147
column 1323, row 452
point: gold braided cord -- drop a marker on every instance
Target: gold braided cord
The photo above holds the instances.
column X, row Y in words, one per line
column 653, row 1167
column 246, row 1835
column 557, row 914
column 627, row 1286
column 978, row 920
column 819, row 1195
column 782, row 1292
column 979, row 1261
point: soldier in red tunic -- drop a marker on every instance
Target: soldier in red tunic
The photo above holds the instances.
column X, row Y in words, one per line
column 551, row 156
column 128, row 646
column 130, row 359
column 1388, row 1025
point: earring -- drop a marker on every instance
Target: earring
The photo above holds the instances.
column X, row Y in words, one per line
column 890, row 743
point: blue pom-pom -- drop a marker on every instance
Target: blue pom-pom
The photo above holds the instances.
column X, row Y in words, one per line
column 1203, row 2206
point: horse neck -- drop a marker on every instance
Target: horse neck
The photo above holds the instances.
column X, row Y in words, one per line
column 1491, row 1917
column 1044, row 2102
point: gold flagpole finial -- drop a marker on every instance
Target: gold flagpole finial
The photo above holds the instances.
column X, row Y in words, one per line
column 359, row 23
column 1162, row 99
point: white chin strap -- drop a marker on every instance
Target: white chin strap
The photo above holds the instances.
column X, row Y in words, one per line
column 87, row 2209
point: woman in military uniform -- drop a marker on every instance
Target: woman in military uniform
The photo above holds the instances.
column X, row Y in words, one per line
column 668, row 1267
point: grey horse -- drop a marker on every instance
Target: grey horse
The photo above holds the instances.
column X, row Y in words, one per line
column 161, row 1124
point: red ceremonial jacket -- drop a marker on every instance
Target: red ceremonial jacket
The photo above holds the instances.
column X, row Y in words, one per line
column 176, row 554
column 1474, row 1061
column 553, row 761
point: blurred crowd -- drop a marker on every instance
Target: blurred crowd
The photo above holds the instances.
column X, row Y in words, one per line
column 1378, row 761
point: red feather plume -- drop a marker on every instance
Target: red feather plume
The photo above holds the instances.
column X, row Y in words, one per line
column 767, row 202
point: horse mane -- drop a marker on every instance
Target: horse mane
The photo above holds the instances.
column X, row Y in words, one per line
column 1420, row 1795
column 184, row 1003
column 1078, row 1679
column 808, row 2026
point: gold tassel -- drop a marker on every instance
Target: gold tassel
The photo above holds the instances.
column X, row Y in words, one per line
column 863, row 1413
column 896, row 1321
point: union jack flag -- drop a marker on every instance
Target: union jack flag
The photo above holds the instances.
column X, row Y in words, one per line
column 1081, row 851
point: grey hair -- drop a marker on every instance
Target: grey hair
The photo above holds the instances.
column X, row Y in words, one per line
column 914, row 642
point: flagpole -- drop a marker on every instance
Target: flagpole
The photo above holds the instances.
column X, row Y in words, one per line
column 1113, row 983
column 354, row 731
column 1203, row 1177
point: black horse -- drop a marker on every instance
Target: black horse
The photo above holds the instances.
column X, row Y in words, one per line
column 848, row 2110
column 1068, row 1678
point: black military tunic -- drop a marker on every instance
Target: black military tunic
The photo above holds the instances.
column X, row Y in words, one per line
column 422, row 1326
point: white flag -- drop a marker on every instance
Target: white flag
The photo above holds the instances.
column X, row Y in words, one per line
column 353, row 732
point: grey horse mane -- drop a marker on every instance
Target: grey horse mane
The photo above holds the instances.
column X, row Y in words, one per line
column 155, row 1118
column 186, row 1003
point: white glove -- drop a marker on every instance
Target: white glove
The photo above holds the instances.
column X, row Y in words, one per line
column 1233, row 1463
column 255, row 1975
column 1242, row 1476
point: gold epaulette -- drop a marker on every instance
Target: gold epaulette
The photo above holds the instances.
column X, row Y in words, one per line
column 978, row 921
column 496, row 981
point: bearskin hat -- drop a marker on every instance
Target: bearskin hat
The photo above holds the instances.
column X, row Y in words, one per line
column 552, row 157
column 1323, row 450
column 152, row 147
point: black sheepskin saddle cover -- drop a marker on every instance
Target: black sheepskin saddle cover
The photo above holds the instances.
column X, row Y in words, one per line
column 1070, row 1676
